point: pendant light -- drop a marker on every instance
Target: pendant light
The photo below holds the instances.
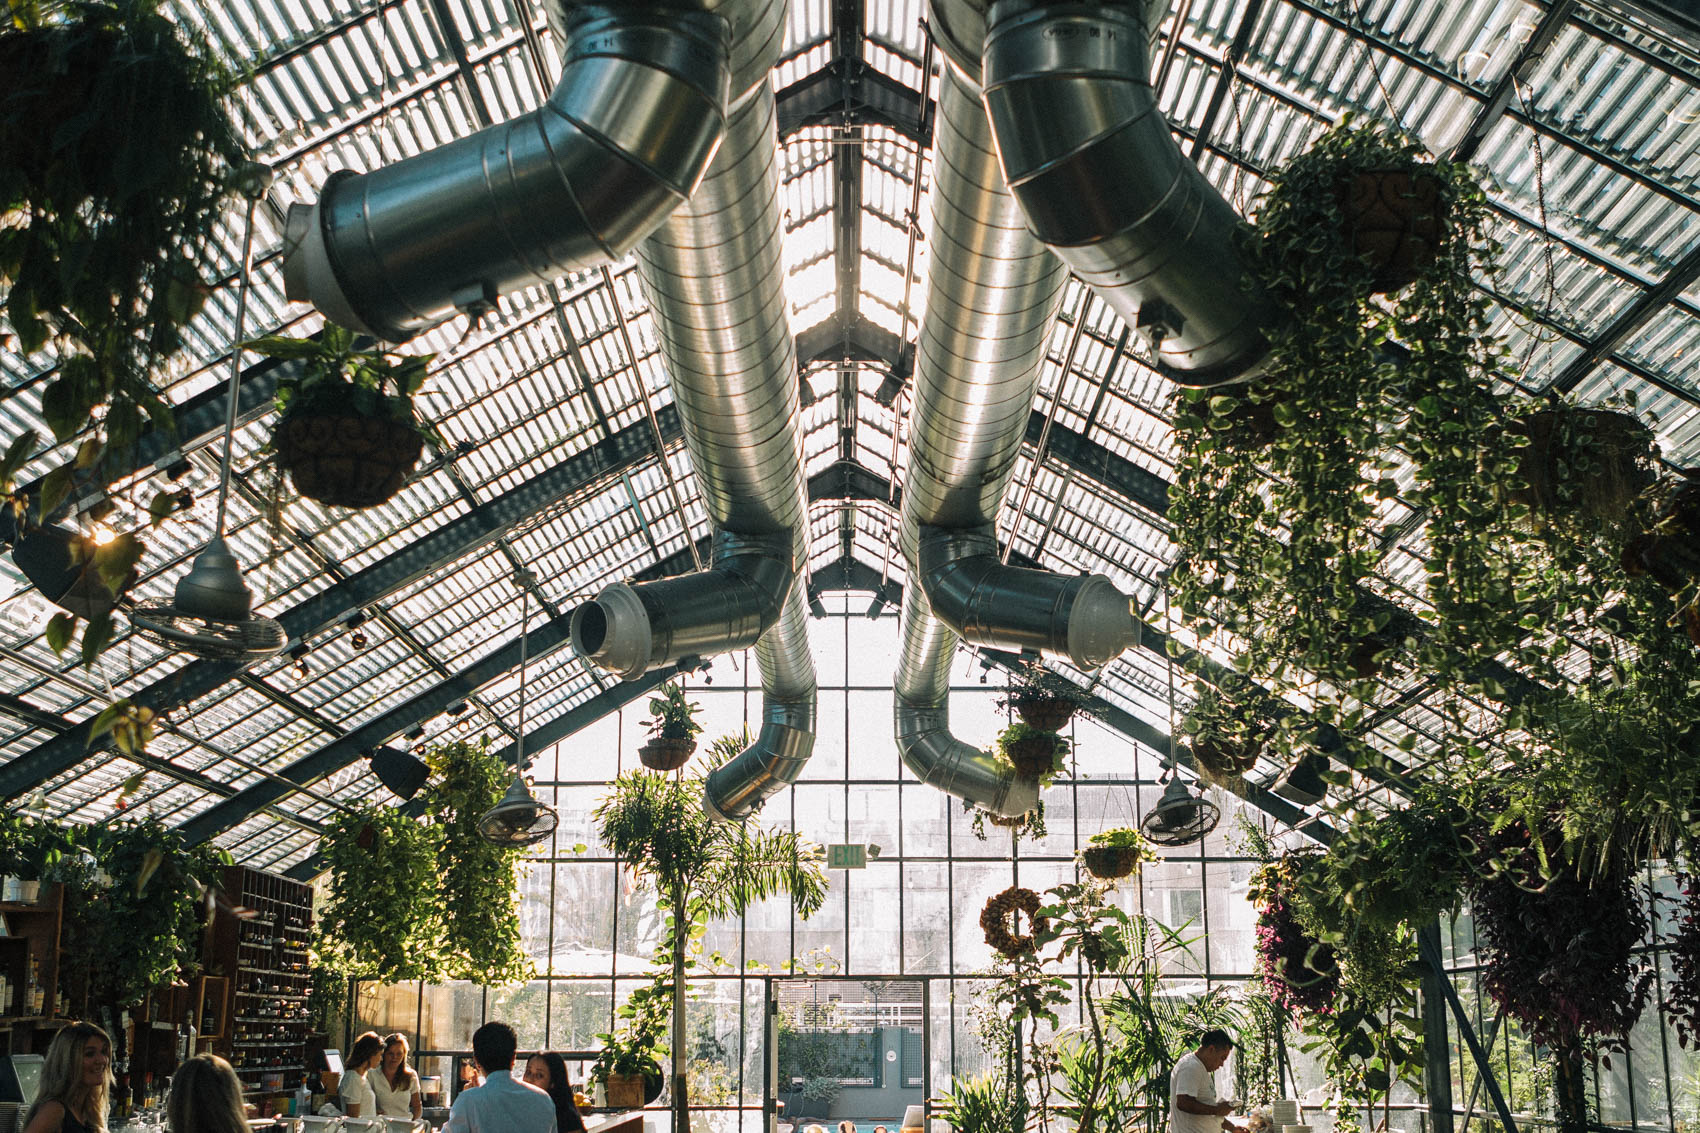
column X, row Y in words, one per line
column 211, row 614
column 1182, row 816
column 519, row 819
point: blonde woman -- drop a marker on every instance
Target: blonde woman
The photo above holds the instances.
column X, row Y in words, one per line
column 206, row 1097
column 394, row 1082
column 76, row 1079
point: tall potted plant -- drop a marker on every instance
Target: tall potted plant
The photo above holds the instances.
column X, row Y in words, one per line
column 699, row 869
column 346, row 430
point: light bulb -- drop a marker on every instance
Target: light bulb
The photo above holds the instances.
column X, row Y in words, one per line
column 358, row 639
column 300, row 672
column 103, row 534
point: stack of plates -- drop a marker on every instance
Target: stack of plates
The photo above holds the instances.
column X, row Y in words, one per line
column 9, row 1116
column 1295, row 1129
column 1284, row 1112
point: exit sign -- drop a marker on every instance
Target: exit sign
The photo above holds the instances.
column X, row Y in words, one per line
column 846, row 857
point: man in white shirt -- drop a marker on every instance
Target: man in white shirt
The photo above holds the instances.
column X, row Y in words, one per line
column 504, row 1103
column 1193, row 1107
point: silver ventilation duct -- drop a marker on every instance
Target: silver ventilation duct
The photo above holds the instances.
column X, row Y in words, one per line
column 1088, row 153
column 622, row 141
column 714, row 274
column 992, row 295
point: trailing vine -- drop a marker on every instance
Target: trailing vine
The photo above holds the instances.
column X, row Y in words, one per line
column 477, row 886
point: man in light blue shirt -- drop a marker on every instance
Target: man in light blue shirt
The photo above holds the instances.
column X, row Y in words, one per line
column 504, row 1103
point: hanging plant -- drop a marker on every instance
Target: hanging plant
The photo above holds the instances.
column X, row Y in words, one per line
column 1301, row 972
column 346, row 430
column 1669, row 551
column 673, row 730
column 1279, row 537
column 120, row 155
column 381, row 921
column 1028, row 824
column 1557, row 953
column 1035, row 754
column 1044, row 700
column 1682, row 994
column 1225, row 737
column 134, row 914
column 476, row 882
column 999, row 920
column 1582, row 463
column 1114, row 854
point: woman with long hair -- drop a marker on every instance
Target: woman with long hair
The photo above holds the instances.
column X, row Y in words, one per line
column 393, row 1081
column 358, row 1100
column 76, row 1080
column 206, row 1097
column 547, row 1071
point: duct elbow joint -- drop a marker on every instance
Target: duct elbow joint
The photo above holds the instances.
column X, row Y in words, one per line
column 1083, row 618
column 630, row 629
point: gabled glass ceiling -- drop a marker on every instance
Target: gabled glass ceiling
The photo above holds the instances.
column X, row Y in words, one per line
column 561, row 452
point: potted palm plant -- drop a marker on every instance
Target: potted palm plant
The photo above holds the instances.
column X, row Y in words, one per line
column 346, row 431
column 699, row 868
column 672, row 730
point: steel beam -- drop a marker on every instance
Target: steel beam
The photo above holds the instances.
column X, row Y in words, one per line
column 1428, row 946
column 413, row 561
column 848, row 90
column 1437, row 1045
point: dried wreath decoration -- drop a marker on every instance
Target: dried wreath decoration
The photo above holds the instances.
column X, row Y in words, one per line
column 998, row 920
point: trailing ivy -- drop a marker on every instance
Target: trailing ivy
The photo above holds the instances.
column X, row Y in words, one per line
column 382, row 920
column 478, row 893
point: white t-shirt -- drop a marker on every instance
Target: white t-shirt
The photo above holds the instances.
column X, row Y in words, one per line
column 1191, row 1078
column 356, row 1090
column 392, row 1103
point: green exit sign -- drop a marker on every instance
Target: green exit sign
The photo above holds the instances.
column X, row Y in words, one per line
column 846, row 857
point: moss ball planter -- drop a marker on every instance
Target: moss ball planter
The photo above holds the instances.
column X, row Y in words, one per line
column 1045, row 713
column 666, row 753
column 1034, row 756
column 1585, row 461
column 1392, row 222
column 347, row 461
column 1223, row 759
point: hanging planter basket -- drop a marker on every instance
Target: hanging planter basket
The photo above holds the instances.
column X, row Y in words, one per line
column 1592, row 462
column 1669, row 554
column 1110, row 863
column 347, row 461
column 1393, row 222
column 1221, row 758
column 1034, row 756
column 1046, row 713
column 1007, row 821
column 666, row 753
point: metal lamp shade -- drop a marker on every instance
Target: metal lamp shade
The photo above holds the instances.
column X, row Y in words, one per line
column 213, row 588
column 1181, row 817
column 402, row 773
column 518, row 820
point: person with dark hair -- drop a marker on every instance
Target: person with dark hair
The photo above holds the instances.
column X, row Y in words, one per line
column 206, row 1097
column 547, row 1070
column 358, row 1100
column 504, row 1103
column 1193, row 1107
column 76, row 1079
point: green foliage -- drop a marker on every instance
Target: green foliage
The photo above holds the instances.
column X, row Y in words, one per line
column 477, row 887
column 1020, row 733
column 671, row 716
column 120, row 154
column 382, row 919
column 1034, row 680
column 32, row 848
column 699, row 869
column 639, row 1036
column 338, row 380
column 1124, row 838
column 134, row 907
column 982, row 1105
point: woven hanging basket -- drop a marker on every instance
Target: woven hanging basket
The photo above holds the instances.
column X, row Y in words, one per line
column 347, row 461
column 1110, row 863
column 1046, row 713
column 1394, row 223
column 1033, row 756
column 665, row 753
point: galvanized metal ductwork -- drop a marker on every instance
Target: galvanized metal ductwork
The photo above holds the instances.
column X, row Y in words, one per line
column 714, row 274
column 622, row 141
column 1088, row 153
column 1081, row 616
column 992, row 295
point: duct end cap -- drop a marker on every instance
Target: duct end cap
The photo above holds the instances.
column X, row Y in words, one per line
column 309, row 272
column 612, row 631
column 718, row 813
column 1101, row 624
